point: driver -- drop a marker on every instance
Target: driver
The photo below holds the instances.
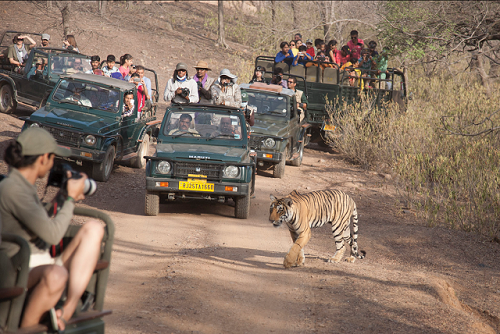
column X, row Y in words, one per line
column 79, row 98
column 184, row 126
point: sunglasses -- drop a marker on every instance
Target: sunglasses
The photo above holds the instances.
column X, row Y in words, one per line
column 291, row 81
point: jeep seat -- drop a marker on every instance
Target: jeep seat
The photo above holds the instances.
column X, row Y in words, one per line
column 298, row 70
column 312, row 74
column 330, row 76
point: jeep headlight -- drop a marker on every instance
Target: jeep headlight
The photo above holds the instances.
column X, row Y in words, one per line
column 269, row 143
column 163, row 167
column 231, row 172
column 34, row 125
column 90, row 140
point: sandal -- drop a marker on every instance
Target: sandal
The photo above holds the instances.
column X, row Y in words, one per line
column 54, row 319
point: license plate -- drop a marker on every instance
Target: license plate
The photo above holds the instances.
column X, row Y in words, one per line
column 329, row 127
column 196, row 186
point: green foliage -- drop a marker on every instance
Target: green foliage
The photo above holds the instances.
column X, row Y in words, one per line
column 452, row 180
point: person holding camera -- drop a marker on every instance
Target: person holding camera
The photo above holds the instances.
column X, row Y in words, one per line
column 277, row 78
column 31, row 157
column 204, row 82
column 181, row 87
column 302, row 57
column 142, row 92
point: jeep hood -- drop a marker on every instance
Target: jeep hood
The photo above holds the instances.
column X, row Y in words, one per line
column 270, row 127
column 77, row 120
column 202, row 152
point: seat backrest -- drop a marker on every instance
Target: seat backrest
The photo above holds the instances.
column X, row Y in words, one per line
column 312, row 74
column 330, row 76
column 299, row 70
column 283, row 66
column 268, row 65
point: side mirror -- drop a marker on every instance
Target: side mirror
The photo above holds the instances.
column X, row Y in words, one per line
column 156, row 132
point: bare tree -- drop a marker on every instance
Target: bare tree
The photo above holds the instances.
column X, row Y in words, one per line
column 221, row 41
column 295, row 20
column 273, row 16
column 49, row 4
column 101, row 4
column 65, row 8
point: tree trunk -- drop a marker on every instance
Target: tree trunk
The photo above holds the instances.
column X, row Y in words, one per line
column 49, row 4
column 221, row 40
column 65, row 8
column 273, row 17
column 102, row 7
column 477, row 66
column 295, row 20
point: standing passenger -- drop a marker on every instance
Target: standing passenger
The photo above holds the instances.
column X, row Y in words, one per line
column 204, row 82
column 175, row 85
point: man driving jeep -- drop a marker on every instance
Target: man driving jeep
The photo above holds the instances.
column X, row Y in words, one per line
column 184, row 126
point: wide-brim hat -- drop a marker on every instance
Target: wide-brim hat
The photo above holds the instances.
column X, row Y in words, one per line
column 181, row 66
column 203, row 65
column 226, row 73
column 37, row 141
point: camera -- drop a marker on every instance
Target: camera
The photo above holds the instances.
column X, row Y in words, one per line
column 58, row 177
column 136, row 79
column 184, row 92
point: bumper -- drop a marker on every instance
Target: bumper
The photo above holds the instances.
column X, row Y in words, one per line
column 273, row 157
column 85, row 154
column 220, row 189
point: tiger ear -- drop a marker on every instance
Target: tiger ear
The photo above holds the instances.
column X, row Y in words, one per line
column 272, row 197
column 288, row 201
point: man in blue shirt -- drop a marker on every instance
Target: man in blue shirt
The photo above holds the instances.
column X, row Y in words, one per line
column 285, row 55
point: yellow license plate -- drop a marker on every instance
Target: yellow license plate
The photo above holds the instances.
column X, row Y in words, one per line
column 196, row 186
column 329, row 127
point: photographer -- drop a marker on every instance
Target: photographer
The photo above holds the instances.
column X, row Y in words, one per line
column 302, row 57
column 277, row 78
column 31, row 157
column 175, row 85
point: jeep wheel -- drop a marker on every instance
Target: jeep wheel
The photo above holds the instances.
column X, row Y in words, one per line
column 102, row 171
column 152, row 203
column 242, row 206
column 279, row 168
column 298, row 161
column 7, row 103
column 139, row 161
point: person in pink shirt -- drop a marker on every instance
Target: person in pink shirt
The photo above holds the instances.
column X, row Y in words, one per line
column 126, row 62
column 356, row 45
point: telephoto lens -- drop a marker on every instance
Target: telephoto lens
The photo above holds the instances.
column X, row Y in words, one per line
column 90, row 187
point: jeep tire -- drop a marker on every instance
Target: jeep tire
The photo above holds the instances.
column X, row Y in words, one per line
column 101, row 171
column 139, row 161
column 242, row 206
column 298, row 161
column 279, row 168
column 7, row 103
column 152, row 203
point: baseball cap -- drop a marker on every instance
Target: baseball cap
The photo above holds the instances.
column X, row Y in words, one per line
column 46, row 36
column 181, row 66
column 36, row 141
column 309, row 41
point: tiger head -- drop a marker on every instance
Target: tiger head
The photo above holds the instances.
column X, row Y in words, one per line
column 280, row 210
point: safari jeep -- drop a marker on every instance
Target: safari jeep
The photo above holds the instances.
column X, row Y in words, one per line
column 32, row 86
column 14, row 281
column 84, row 114
column 278, row 135
column 202, row 153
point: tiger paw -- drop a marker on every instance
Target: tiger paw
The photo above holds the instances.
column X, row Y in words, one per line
column 350, row 259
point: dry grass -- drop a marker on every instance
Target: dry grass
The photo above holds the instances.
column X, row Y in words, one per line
column 452, row 180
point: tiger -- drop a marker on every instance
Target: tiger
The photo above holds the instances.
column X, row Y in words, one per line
column 301, row 212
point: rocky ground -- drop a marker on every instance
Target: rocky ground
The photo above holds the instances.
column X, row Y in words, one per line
column 196, row 269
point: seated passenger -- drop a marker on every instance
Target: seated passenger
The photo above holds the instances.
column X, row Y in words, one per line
column 180, row 80
column 40, row 68
column 300, row 97
column 79, row 98
column 278, row 77
column 110, row 66
column 259, row 75
column 142, row 92
column 355, row 45
column 321, row 47
column 372, row 45
column 95, row 62
column 310, row 48
column 126, row 61
column 298, row 44
column 302, row 57
column 18, row 52
column 293, row 48
column 184, row 126
column 22, row 213
column 70, row 43
column 45, row 40
column 285, row 55
column 132, row 71
column 366, row 62
column 128, row 104
column 381, row 68
column 333, row 53
column 226, row 91
column 226, row 127
column 345, row 57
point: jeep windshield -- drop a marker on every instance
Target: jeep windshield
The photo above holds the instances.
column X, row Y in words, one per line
column 87, row 95
column 268, row 104
column 69, row 64
column 203, row 125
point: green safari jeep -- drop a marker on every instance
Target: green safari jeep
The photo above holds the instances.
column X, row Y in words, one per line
column 278, row 134
column 84, row 114
column 202, row 152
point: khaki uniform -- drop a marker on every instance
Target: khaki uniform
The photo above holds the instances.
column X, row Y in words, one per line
column 23, row 214
column 301, row 98
column 231, row 97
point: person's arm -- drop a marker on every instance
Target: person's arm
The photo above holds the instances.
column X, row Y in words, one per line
column 304, row 101
column 32, row 41
column 148, row 87
column 279, row 57
column 145, row 89
column 169, row 93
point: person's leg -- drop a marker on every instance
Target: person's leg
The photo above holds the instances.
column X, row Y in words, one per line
column 80, row 258
column 48, row 283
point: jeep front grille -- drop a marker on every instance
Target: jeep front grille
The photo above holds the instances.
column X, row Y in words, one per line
column 255, row 142
column 64, row 136
column 212, row 171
